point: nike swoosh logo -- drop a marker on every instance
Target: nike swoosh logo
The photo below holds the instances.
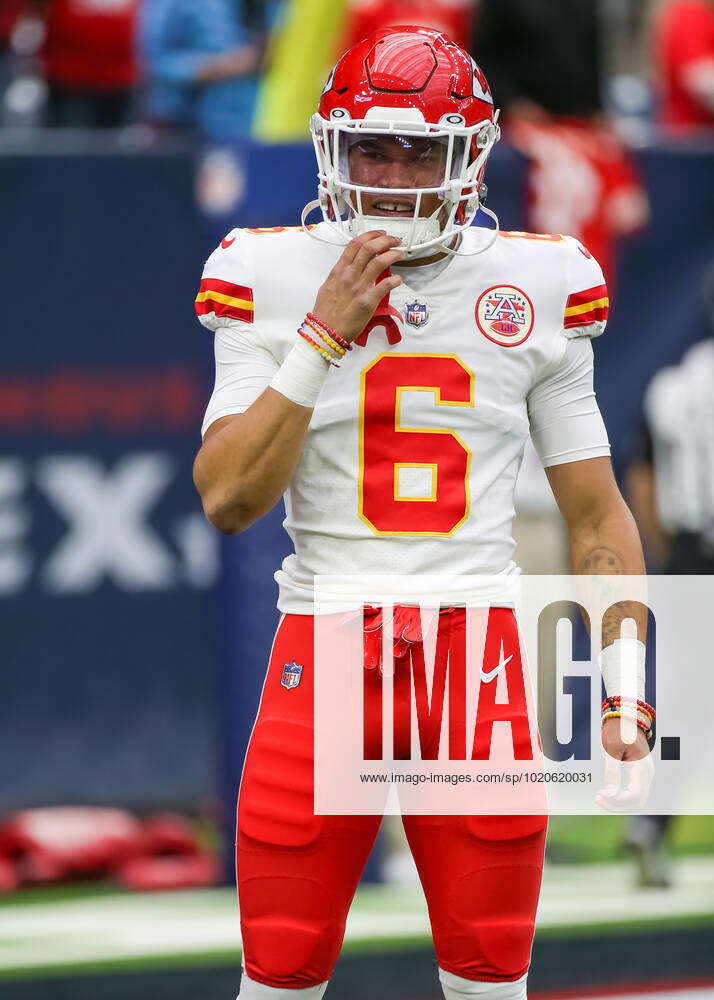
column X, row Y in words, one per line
column 488, row 677
column 227, row 243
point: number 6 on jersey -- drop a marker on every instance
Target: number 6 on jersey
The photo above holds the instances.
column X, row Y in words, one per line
column 388, row 450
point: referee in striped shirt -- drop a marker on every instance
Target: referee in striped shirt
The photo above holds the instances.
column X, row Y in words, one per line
column 671, row 492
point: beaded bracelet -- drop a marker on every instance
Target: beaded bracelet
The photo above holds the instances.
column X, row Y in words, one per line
column 337, row 348
column 646, row 729
column 616, row 701
column 643, row 717
column 312, row 318
column 612, row 708
column 334, row 350
column 321, row 350
column 643, row 720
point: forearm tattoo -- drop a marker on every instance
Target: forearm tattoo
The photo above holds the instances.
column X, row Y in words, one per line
column 605, row 562
column 601, row 560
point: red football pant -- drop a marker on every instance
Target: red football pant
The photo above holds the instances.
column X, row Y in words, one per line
column 297, row 872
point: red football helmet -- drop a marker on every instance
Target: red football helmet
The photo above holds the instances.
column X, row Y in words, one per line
column 407, row 84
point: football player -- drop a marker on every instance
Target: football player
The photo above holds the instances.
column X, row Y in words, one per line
column 315, row 332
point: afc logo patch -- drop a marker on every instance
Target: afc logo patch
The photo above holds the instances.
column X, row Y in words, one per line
column 416, row 313
column 292, row 672
column 505, row 315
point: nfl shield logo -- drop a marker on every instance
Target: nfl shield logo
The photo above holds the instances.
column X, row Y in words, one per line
column 416, row 313
column 292, row 672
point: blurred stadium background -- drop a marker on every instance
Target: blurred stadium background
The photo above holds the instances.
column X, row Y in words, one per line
column 133, row 135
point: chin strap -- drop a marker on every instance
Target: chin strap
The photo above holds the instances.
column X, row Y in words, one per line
column 455, row 252
column 310, row 207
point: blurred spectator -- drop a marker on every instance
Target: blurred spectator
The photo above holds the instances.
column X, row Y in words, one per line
column 671, row 492
column 88, row 60
column 450, row 16
column 10, row 11
column 541, row 56
column 671, row 481
column 581, row 182
column 202, row 63
column 684, row 58
column 302, row 52
column 543, row 61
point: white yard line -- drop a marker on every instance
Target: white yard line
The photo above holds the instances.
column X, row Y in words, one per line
column 110, row 928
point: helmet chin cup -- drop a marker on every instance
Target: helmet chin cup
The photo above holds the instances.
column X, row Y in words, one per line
column 410, row 231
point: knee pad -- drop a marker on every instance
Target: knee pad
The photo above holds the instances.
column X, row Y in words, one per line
column 456, row 988
column 250, row 990
column 289, row 937
column 493, row 904
column 491, row 920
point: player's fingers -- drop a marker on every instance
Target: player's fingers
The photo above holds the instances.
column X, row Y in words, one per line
column 635, row 771
column 612, row 774
column 641, row 775
column 637, row 750
column 386, row 285
column 626, row 785
column 381, row 262
column 631, row 792
column 368, row 251
column 355, row 245
column 608, row 797
column 613, row 805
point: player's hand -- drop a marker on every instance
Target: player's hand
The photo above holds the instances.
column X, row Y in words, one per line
column 628, row 770
column 351, row 293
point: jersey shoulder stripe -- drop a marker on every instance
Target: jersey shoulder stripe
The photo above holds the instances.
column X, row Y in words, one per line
column 592, row 305
column 223, row 298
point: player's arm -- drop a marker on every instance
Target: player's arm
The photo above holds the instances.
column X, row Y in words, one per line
column 602, row 534
column 570, row 438
column 603, row 539
column 248, row 458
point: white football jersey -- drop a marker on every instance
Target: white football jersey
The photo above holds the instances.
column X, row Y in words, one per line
column 414, row 447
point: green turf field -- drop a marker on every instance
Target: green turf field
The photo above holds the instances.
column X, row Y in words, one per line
column 87, row 928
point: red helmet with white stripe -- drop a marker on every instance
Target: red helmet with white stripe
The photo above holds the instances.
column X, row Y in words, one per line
column 414, row 86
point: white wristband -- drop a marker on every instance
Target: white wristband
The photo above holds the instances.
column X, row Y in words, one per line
column 302, row 375
column 623, row 668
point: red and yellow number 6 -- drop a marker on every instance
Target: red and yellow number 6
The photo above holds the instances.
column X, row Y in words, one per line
column 386, row 447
